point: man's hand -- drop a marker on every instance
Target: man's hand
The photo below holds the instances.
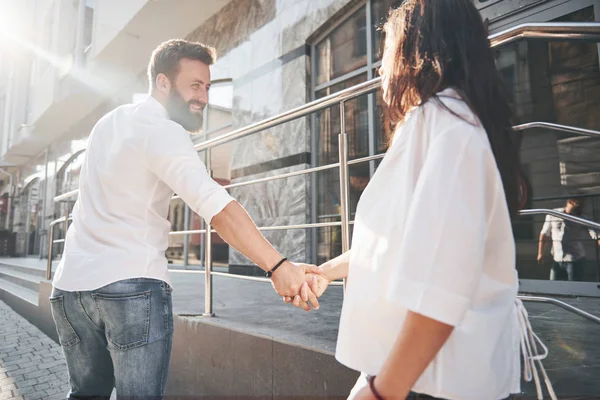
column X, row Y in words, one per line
column 540, row 258
column 289, row 280
column 316, row 281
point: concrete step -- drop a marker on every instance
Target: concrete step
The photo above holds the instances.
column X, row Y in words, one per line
column 25, row 279
column 25, row 294
column 32, row 268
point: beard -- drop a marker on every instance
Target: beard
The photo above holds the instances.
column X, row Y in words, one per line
column 180, row 112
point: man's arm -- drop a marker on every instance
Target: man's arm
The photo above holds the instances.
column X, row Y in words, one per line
column 544, row 238
column 542, row 247
column 170, row 155
column 595, row 235
column 236, row 227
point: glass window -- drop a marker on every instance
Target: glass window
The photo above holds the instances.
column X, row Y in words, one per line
column 345, row 55
column 344, row 50
column 328, row 188
column 383, row 128
column 221, row 95
column 357, row 125
column 380, row 10
column 556, row 82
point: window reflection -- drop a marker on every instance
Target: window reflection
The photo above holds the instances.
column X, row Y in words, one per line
column 344, row 50
column 556, row 82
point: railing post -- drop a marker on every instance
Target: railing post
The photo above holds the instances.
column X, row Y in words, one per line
column 208, row 294
column 344, row 192
column 50, row 248
column 66, row 224
column 186, row 237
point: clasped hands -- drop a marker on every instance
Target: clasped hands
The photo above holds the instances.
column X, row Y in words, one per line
column 300, row 284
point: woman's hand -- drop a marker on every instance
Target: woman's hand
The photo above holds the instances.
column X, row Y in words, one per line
column 316, row 281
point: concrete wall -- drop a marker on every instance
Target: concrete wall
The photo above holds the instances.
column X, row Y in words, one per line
column 110, row 19
column 210, row 360
column 215, row 361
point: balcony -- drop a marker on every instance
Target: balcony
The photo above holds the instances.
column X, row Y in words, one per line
column 125, row 33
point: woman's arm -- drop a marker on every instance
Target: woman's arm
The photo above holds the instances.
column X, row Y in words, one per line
column 420, row 339
column 336, row 268
column 319, row 278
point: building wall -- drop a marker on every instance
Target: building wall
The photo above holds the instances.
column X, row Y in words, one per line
column 265, row 54
column 115, row 14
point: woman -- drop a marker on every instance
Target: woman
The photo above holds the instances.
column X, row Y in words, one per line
column 431, row 302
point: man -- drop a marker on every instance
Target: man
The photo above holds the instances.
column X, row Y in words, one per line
column 567, row 243
column 112, row 295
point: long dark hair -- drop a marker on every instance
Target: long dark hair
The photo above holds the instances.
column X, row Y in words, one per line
column 439, row 44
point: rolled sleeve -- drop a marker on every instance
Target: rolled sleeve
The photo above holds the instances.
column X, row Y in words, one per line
column 547, row 227
column 170, row 154
column 443, row 245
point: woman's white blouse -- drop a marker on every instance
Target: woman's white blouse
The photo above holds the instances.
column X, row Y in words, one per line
column 433, row 236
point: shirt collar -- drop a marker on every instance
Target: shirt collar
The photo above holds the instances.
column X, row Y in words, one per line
column 154, row 106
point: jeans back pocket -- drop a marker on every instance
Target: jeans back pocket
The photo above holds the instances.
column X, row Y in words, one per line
column 126, row 318
column 66, row 334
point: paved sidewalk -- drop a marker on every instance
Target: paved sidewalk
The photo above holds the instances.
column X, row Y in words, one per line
column 31, row 364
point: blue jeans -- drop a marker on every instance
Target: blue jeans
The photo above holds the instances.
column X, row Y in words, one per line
column 118, row 336
column 568, row 271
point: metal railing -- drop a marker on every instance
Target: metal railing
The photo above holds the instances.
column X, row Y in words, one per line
column 562, row 215
column 563, row 305
column 558, row 128
column 554, row 31
column 52, row 241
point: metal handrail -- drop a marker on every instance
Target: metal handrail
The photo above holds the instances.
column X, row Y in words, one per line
column 557, row 127
column 522, row 127
column 548, row 31
column 243, row 277
column 51, row 241
column 299, row 112
column 562, row 215
column 563, row 305
column 555, row 31
column 66, row 196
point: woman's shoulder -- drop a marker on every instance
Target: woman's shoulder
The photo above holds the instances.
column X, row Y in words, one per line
column 449, row 116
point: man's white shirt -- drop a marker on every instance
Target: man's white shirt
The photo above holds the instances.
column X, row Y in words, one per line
column 136, row 159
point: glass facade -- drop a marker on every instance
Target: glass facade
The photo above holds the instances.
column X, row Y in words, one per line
column 556, row 82
column 347, row 55
column 547, row 81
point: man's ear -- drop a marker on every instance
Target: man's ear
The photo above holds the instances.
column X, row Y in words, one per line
column 163, row 84
column 486, row 26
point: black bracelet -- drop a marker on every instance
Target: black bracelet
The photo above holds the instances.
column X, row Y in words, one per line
column 270, row 273
column 371, row 380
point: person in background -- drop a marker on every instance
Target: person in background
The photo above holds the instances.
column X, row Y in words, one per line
column 567, row 240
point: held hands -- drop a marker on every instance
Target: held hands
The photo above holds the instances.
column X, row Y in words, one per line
column 290, row 281
column 316, row 281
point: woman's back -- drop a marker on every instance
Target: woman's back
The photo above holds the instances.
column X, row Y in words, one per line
column 433, row 236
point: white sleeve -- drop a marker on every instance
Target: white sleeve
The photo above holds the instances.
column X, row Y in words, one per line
column 170, row 154
column 443, row 245
column 547, row 228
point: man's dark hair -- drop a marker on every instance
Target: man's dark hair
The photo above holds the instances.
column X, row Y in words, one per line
column 577, row 196
column 165, row 58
